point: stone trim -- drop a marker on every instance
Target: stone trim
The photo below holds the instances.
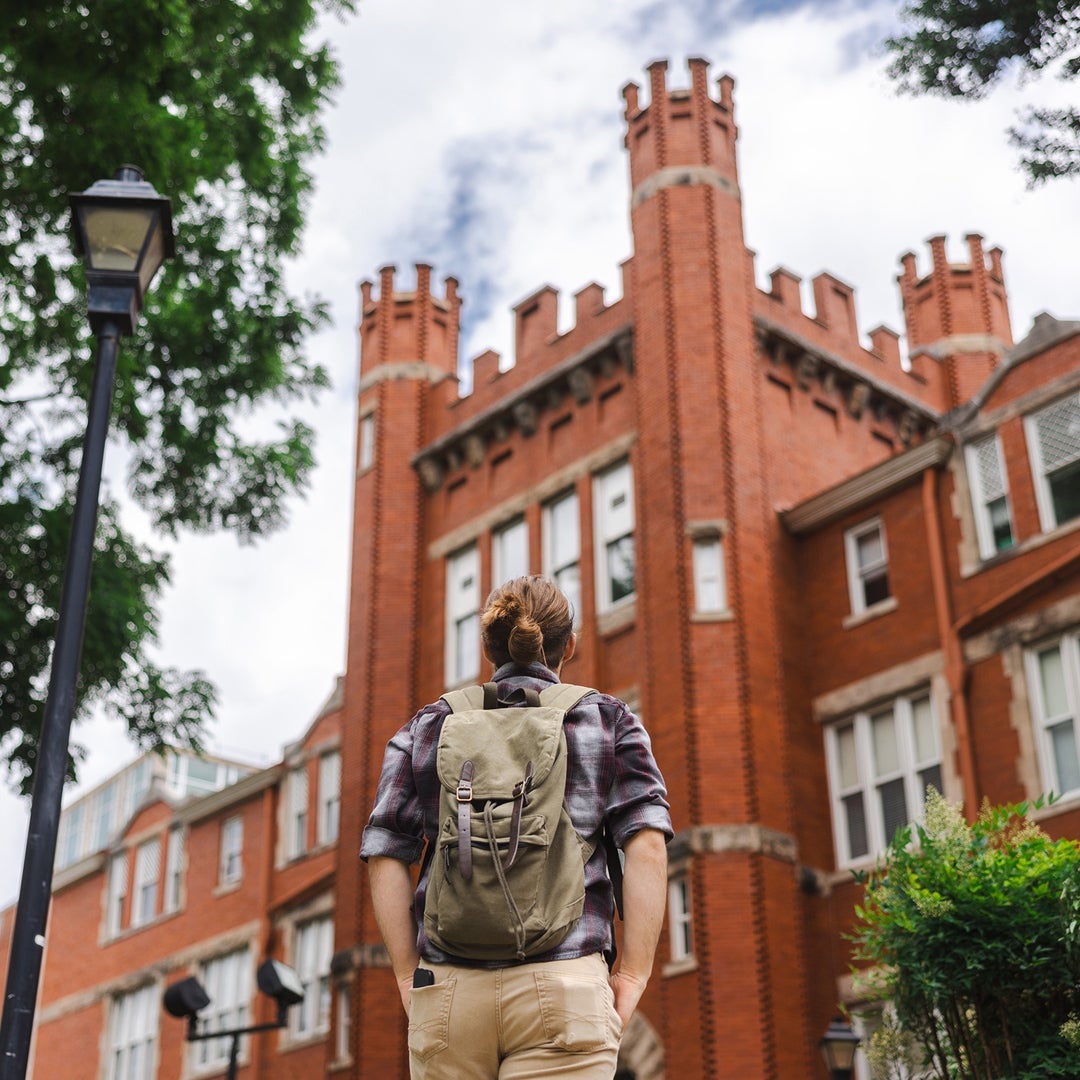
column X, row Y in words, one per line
column 1024, row 630
column 227, row 797
column 745, row 839
column 409, row 369
column 960, row 344
column 575, row 377
column 809, row 363
column 867, row 487
column 539, row 493
column 881, row 686
column 683, row 176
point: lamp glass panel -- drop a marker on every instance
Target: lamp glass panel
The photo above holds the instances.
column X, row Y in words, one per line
column 154, row 255
column 115, row 236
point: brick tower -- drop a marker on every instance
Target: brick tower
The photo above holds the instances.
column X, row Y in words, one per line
column 712, row 701
column 957, row 315
column 408, row 347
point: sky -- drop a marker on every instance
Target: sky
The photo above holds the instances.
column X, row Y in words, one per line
column 485, row 138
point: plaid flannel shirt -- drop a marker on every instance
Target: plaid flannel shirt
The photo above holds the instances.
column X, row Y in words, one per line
column 612, row 778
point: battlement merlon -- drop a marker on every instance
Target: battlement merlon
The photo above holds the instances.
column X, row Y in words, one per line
column 414, row 334
column 681, row 128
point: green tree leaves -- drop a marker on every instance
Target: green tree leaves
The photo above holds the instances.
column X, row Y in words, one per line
column 974, row 934
column 961, row 48
column 218, row 101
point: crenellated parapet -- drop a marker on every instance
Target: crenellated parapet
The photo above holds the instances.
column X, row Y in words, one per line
column 820, row 352
column 489, row 421
column 408, row 334
column 957, row 314
column 681, row 136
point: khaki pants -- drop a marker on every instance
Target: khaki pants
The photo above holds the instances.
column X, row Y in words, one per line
column 551, row 1019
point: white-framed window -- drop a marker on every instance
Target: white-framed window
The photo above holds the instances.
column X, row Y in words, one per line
column 329, row 797
column 613, row 505
column 117, row 893
column 710, row 582
column 680, row 918
column 880, row 764
column 187, row 774
column 104, row 815
column 462, row 615
column 867, row 565
column 174, row 870
column 365, row 458
column 562, row 548
column 990, row 495
column 296, row 812
column 343, row 1024
column 133, row 1028
column 1053, row 438
column 70, row 848
column 1054, row 675
column 313, row 947
column 147, row 872
column 231, row 863
column 227, row 981
column 509, row 552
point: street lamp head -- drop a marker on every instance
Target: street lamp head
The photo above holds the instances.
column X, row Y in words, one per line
column 123, row 229
column 185, row 998
column 280, row 982
column 838, row 1046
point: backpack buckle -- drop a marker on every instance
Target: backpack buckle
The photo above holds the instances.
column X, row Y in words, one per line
column 464, row 788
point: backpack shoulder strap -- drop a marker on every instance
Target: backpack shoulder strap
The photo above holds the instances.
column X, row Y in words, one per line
column 564, row 695
column 469, row 697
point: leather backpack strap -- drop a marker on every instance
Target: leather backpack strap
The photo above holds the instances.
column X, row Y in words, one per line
column 564, row 695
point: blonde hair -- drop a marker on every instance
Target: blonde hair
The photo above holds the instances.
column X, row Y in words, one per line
column 527, row 620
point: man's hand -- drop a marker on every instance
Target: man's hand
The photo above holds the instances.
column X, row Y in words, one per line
column 628, row 990
column 405, row 990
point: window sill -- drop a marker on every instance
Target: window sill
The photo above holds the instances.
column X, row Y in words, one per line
column 227, row 887
column 883, row 607
column 725, row 615
column 617, row 618
column 679, row 967
column 129, row 931
column 340, row 1065
column 290, row 1042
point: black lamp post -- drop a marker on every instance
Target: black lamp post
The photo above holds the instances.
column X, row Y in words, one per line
column 838, row 1046
column 187, row 998
column 123, row 228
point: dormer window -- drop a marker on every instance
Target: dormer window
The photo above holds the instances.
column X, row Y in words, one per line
column 990, row 496
column 1053, row 437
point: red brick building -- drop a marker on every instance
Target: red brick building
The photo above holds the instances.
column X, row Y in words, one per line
column 824, row 577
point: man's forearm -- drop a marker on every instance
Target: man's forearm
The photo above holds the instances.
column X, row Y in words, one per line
column 392, row 898
column 644, row 901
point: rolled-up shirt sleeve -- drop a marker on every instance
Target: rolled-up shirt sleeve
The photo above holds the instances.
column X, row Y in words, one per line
column 396, row 826
column 637, row 798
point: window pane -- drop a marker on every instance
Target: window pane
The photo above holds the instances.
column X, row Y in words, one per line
column 564, row 541
column 467, row 646
column 929, row 778
column 845, row 755
column 894, row 811
column 855, row 813
column 510, row 557
column 869, row 549
column 1000, row 525
column 876, row 588
column 922, row 722
column 883, row 739
column 569, row 580
column 708, row 575
column 621, row 567
column 1052, row 676
column 1065, row 492
column 1063, row 738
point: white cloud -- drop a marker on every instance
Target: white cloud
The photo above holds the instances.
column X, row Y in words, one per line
column 487, row 137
